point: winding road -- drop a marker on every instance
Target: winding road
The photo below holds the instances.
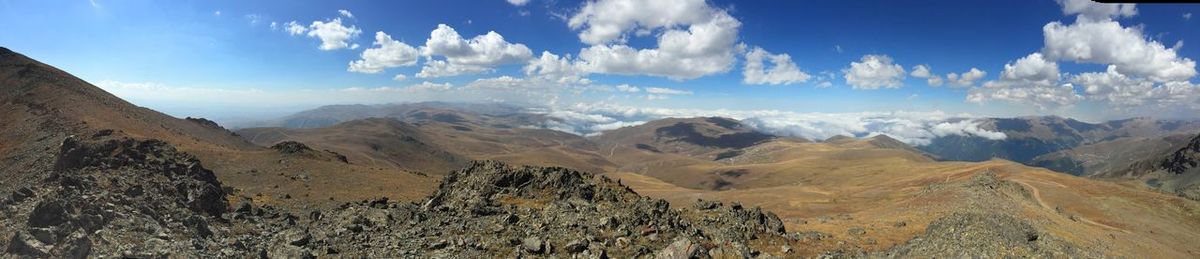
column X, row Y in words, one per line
column 1037, row 195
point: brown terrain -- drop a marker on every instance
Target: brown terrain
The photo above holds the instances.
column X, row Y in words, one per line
column 872, row 194
column 844, row 197
column 41, row 105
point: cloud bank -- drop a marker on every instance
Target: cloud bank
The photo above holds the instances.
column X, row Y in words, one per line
column 915, row 128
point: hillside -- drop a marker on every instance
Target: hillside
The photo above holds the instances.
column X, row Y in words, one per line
column 435, row 141
column 1174, row 171
column 1030, row 137
column 42, row 105
column 325, row 116
column 1110, row 156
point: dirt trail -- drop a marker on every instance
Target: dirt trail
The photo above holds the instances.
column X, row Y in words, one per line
column 1037, row 195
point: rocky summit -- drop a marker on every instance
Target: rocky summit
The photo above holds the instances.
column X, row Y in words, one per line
column 142, row 198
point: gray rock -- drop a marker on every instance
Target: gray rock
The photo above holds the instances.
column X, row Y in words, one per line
column 532, row 245
column 857, row 231
column 682, row 248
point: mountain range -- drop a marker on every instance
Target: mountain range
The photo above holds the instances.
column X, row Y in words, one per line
column 89, row 174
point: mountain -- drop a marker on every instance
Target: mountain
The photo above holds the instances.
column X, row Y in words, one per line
column 42, row 105
column 377, row 142
column 1030, row 137
column 1110, row 156
column 711, row 138
column 435, row 141
column 39, row 102
column 1174, row 171
column 137, row 183
column 324, row 116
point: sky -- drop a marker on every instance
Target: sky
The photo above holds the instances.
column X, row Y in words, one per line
column 240, row 60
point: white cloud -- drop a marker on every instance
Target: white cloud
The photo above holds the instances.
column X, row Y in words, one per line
column 934, row 81
column 476, row 55
column 332, row 33
column 966, row 78
column 628, row 88
column 1107, row 42
column 217, row 13
column 1031, row 80
column 553, row 68
column 294, row 28
column 400, row 77
column 1124, row 92
column 666, row 91
column 518, row 2
column 965, row 127
column 874, row 72
column 1187, row 16
column 345, row 13
column 387, row 53
column 781, row 71
column 693, row 38
column 917, row 128
column 607, row 21
column 923, row 71
column 441, row 68
column 1087, row 9
column 1033, row 69
column 274, row 26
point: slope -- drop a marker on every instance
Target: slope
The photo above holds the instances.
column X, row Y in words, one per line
column 42, row 105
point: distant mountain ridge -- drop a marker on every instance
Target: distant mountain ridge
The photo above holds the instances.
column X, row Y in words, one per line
column 1030, row 137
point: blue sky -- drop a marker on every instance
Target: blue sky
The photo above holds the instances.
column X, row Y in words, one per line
column 222, row 58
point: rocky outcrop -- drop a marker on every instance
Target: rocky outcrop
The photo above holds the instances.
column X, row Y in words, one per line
column 291, row 148
column 982, row 235
column 1184, row 159
column 491, row 209
column 142, row 198
column 116, row 197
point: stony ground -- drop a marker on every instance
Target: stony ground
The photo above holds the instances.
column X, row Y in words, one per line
column 116, row 197
column 129, row 198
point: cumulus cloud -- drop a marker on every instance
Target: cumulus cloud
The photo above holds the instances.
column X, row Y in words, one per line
column 874, row 72
column 923, row 71
column 1032, row 80
column 1140, row 72
column 400, row 77
column 345, row 13
column 294, row 28
column 693, row 38
column 333, row 34
column 1087, row 9
column 476, row 55
column 518, row 2
column 554, row 68
column 442, row 68
column 966, row 78
column 782, row 69
column 1121, row 91
column 1107, row 42
column 386, row 53
column 917, row 128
